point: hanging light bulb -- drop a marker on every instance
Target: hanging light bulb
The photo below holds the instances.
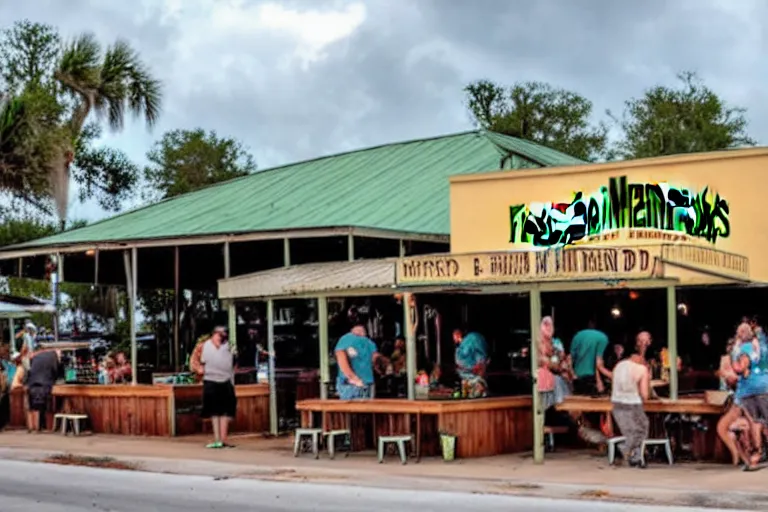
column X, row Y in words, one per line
column 682, row 308
column 616, row 312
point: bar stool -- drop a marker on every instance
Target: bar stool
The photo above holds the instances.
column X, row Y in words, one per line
column 330, row 442
column 311, row 433
column 399, row 441
column 657, row 442
column 612, row 444
column 67, row 418
column 549, row 436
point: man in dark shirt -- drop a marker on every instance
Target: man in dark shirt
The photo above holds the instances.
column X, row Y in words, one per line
column 704, row 357
column 43, row 372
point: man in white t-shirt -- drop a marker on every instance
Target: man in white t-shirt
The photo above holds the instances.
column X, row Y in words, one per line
column 631, row 387
column 215, row 363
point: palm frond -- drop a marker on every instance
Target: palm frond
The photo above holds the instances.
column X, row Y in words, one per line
column 79, row 65
column 145, row 95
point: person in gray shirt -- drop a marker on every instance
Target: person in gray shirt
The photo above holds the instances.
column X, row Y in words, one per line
column 216, row 365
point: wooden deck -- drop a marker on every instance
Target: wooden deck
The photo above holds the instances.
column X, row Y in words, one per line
column 148, row 410
column 484, row 427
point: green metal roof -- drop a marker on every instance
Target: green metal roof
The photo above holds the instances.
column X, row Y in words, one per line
column 401, row 187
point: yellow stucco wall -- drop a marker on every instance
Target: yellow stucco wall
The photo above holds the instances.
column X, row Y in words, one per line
column 731, row 185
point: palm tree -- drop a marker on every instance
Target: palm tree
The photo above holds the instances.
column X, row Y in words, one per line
column 29, row 139
column 107, row 83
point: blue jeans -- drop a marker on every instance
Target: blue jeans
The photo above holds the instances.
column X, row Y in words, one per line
column 350, row 392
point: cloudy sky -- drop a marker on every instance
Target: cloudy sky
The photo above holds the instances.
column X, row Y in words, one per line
column 296, row 79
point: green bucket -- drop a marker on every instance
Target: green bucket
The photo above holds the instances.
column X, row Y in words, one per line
column 448, row 444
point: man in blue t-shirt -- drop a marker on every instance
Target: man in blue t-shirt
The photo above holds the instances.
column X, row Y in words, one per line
column 356, row 355
column 750, row 361
column 587, row 350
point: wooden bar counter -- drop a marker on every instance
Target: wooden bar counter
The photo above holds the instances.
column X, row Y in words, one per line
column 705, row 444
column 484, row 427
column 696, row 406
column 148, row 410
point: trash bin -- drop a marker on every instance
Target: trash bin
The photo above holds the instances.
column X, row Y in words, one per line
column 448, row 444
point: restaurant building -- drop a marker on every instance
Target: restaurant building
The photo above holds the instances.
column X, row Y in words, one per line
column 430, row 234
column 671, row 227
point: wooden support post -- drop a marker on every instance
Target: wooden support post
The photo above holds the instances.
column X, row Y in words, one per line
column 226, row 260
column 13, row 335
column 96, row 267
column 231, row 306
column 134, row 322
column 176, row 319
column 273, row 423
column 672, row 340
column 286, row 252
column 322, row 326
column 171, row 413
column 538, row 413
column 410, row 345
column 350, row 247
column 56, row 279
column 131, row 266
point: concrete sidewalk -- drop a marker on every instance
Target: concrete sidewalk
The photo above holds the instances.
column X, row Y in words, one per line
column 566, row 474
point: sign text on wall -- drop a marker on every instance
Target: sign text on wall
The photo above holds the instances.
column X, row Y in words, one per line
column 529, row 266
column 621, row 205
column 706, row 259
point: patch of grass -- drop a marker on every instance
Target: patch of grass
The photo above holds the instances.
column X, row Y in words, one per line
column 91, row 462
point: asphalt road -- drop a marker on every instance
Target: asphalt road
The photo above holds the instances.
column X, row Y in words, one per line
column 41, row 487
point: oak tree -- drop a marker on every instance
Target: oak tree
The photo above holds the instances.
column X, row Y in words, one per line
column 553, row 117
column 689, row 118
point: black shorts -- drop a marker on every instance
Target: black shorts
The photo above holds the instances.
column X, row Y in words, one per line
column 39, row 397
column 757, row 407
column 219, row 399
column 585, row 386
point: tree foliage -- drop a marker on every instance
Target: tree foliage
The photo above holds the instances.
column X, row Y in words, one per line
column 183, row 161
column 665, row 120
column 186, row 160
column 19, row 230
column 47, row 134
column 688, row 119
column 85, row 304
column 536, row 111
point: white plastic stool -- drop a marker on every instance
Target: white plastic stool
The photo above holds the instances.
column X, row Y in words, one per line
column 67, row 418
column 613, row 442
column 331, row 441
column 397, row 440
column 657, row 442
column 314, row 434
column 549, row 435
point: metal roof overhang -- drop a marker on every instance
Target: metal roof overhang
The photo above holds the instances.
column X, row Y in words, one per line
column 377, row 277
column 22, row 251
column 361, row 277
